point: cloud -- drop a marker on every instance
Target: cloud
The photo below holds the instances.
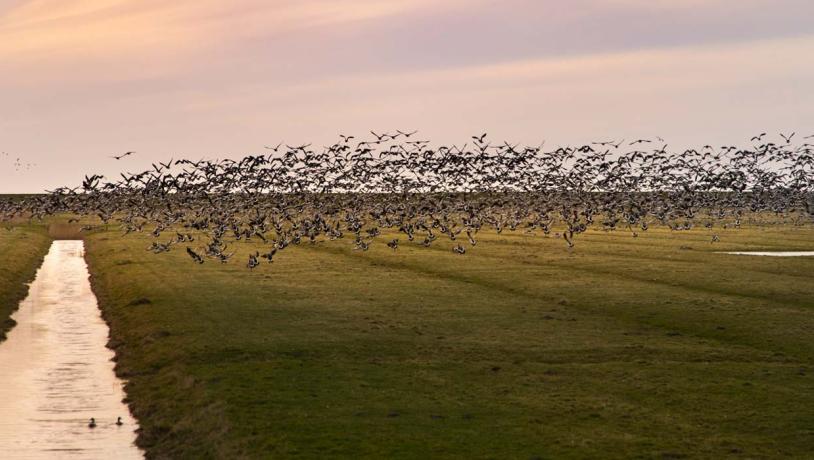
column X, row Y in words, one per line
column 82, row 79
column 90, row 41
column 91, row 28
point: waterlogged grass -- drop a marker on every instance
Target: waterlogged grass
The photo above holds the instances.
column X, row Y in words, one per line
column 653, row 346
column 22, row 248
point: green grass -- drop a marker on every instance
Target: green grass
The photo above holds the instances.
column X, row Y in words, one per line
column 620, row 348
column 623, row 347
column 22, row 248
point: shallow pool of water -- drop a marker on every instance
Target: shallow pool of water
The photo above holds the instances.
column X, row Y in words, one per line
column 773, row 253
column 56, row 372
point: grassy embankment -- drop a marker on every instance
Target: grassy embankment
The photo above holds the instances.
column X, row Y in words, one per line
column 22, row 247
column 621, row 348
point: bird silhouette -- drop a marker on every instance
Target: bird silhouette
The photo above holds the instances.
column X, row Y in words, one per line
column 411, row 192
column 125, row 154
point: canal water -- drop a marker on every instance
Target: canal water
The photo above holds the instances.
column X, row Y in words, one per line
column 56, row 372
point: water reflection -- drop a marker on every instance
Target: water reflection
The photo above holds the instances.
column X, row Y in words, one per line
column 56, row 373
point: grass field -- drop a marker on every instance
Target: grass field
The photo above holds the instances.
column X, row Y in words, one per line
column 22, row 248
column 622, row 347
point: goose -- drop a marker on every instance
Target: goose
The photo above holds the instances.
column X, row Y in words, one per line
column 393, row 244
column 371, row 190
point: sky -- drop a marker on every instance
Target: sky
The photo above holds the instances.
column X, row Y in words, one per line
column 83, row 80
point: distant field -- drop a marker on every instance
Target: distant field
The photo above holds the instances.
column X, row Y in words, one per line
column 519, row 349
column 23, row 248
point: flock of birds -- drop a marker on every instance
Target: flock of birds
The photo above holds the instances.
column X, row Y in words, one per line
column 17, row 163
column 393, row 183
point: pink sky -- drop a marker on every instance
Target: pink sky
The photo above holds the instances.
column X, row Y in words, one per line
column 81, row 80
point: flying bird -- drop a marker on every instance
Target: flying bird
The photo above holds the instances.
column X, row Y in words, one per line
column 125, row 154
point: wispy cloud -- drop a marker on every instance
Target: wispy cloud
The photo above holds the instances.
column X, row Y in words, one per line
column 77, row 28
column 80, row 79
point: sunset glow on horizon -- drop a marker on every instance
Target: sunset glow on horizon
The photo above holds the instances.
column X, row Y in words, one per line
column 81, row 80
